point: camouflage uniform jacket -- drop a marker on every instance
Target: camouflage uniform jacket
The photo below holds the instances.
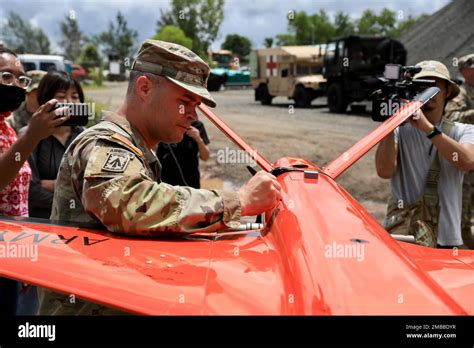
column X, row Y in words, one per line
column 461, row 108
column 19, row 118
column 109, row 177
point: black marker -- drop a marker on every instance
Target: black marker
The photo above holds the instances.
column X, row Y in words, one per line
column 252, row 170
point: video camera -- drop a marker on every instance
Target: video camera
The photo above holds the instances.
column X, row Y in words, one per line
column 394, row 89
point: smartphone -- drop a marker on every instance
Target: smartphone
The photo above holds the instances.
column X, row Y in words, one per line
column 80, row 113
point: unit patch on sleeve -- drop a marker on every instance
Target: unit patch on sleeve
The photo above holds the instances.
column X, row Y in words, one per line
column 117, row 160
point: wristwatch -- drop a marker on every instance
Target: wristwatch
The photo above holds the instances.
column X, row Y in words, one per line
column 436, row 130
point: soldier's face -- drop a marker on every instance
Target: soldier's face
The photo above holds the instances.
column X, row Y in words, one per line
column 173, row 111
column 468, row 74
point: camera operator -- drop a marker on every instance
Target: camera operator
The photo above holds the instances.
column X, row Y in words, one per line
column 461, row 109
column 15, row 172
column 426, row 159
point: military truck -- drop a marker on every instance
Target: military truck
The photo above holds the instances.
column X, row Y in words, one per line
column 290, row 71
column 350, row 61
column 224, row 71
column 117, row 70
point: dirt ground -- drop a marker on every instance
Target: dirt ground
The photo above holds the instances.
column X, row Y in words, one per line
column 278, row 131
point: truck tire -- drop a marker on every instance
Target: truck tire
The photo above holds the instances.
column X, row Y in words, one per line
column 337, row 101
column 302, row 97
column 263, row 95
column 214, row 84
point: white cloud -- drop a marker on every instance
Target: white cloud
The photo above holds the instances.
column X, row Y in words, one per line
column 255, row 19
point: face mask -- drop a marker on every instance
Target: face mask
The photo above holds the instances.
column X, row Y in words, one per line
column 11, row 97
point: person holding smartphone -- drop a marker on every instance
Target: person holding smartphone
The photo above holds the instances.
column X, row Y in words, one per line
column 46, row 157
column 15, row 173
column 44, row 162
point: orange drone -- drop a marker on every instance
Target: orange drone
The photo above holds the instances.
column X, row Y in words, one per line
column 288, row 265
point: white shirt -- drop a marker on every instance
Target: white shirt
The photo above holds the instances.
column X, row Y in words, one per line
column 414, row 162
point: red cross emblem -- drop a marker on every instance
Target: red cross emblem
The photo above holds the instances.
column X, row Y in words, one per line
column 271, row 65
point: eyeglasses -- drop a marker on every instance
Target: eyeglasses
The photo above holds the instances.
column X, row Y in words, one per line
column 7, row 78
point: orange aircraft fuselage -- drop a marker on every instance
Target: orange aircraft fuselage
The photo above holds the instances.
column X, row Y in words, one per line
column 319, row 252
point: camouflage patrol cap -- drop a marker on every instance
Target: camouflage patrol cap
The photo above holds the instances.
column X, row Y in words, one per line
column 433, row 68
column 466, row 62
column 178, row 64
column 36, row 76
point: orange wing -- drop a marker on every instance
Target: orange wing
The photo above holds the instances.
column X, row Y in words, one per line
column 291, row 266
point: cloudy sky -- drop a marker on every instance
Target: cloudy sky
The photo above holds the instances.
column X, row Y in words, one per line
column 255, row 19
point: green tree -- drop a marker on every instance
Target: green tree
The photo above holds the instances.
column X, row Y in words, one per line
column 174, row 34
column 91, row 61
column 367, row 24
column 323, row 27
column 42, row 42
column 238, row 44
column 371, row 23
column 318, row 28
column 90, row 56
column 199, row 19
column 311, row 29
column 387, row 21
column 22, row 37
column 72, row 38
column 119, row 39
column 285, row 40
column 301, row 28
column 268, row 42
column 343, row 24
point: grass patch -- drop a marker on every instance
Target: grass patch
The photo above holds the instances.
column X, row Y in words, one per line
column 99, row 107
column 93, row 86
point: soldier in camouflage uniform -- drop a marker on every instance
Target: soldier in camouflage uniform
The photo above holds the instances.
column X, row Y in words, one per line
column 461, row 109
column 21, row 117
column 110, row 175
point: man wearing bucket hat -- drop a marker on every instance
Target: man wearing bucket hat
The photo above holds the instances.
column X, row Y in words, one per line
column 426, row 160
column 21, row 117
column 110, row 175
column 461, row 109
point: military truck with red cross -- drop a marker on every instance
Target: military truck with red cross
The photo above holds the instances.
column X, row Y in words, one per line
column 288, row 71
